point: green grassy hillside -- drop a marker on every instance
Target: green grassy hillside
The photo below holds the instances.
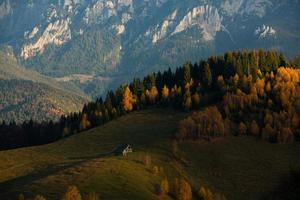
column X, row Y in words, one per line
column 239, row 167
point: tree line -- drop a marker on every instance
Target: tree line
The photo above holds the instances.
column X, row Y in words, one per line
column 223, row 79
column 267, row 107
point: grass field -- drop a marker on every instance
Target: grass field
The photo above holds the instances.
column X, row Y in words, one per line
column 239, row 167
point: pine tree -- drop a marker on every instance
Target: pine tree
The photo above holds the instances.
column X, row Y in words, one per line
column 206, row 75
column 186, row 73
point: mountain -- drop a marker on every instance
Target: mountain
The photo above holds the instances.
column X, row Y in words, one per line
column 125, row 38
column 26, row 94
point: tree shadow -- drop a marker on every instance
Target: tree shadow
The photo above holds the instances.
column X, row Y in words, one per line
column 8, row 188
column 289, row 189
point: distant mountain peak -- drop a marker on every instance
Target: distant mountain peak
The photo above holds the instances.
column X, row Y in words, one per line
column 265, row 31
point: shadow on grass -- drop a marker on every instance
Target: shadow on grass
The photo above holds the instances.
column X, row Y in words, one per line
column 289, row 189
column 8, row 188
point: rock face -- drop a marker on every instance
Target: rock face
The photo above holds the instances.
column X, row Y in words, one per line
column 245, row 7
column 265, row 31
column 206, row 18
column 5, row 9
column 55, row 33
column 165, row 28
column 100, row 37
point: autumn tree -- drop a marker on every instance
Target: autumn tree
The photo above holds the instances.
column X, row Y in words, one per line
column 176, row 96
column 128, row 100
column 165, row 95
column 221, row 83
column 285, row 136
column 155, row 170
column 254, row 128
column 242, row 129
column 84, row 122
column 165, row 92
column 185, row 191
column 164, row 187
column 269, row 133
column 205, row 193
column 21, row 197
column 206, row 124
column 39, row 197
column 196, row 100
column 92, row 196
column 187, row 100
column 72, row 193
column 147, row 160
column 152, row 94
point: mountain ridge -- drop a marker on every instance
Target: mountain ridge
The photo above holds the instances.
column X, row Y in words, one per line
column 96, row 37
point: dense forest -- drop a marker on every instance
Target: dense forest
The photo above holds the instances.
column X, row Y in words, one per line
column 248, row 93
column 25, row 99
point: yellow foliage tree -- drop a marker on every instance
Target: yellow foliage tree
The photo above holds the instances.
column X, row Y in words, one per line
column 92, row 196
column 84, row 122
column 254, row 128
column 185, row 191
column 221, row 82
column 128, row 100
column 205, row 194
column 187, row 101
column 165, row 92
column 242, row 129
column 152, row 94
column 196, row 100
column 72, row 193
column 39, row 197
column 285, row 136
column 21, row 197
column 164, row 187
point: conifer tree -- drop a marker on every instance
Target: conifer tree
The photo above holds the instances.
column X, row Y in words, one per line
column 206, row 75
column 186, row 73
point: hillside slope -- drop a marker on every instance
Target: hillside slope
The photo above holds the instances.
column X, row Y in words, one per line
column 238, row 167
column 26, row 94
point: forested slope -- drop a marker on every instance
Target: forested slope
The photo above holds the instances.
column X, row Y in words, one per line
column 26, row 94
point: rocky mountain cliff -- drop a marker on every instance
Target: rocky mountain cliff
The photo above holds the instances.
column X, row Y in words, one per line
column 126, row 38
